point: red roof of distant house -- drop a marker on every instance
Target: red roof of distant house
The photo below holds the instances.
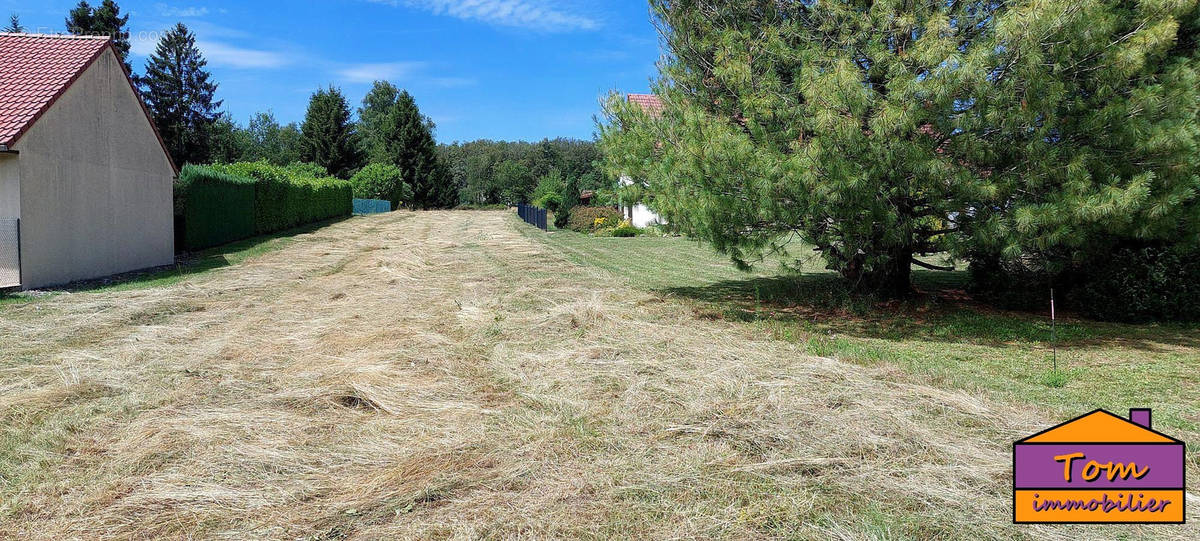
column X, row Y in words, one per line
column 650, row 103
column 35, row 70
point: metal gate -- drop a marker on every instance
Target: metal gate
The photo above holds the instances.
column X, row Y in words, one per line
column 10, row 252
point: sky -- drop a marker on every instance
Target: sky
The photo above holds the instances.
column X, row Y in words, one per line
column 481, row 69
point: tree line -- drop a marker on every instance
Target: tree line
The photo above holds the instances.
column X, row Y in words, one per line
column 389, row 132
column 549, row 173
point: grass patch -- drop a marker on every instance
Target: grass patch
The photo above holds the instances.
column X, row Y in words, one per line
column 187, row 265
column 942, row 337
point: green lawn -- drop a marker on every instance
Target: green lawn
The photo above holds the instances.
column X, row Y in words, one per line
column 943, row 338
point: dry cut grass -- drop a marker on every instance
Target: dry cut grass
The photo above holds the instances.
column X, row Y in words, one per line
column 441, row 375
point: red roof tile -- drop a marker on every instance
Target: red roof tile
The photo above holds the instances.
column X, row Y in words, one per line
column 650, row 103
column 35, row 69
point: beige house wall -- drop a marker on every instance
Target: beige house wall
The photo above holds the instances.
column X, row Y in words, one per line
column 10, row 186
column 95, row 184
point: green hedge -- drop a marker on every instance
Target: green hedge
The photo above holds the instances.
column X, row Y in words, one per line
column 212, row 208
column 285, row 197
column 1140, row 283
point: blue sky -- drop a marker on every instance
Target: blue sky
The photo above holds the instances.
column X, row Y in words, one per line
column 496, row 69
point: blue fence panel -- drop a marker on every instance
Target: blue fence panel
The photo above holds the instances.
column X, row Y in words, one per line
column 371, row 206
column 533, row 216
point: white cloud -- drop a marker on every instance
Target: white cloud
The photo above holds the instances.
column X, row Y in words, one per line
column 367, row 73
column 224, row 54
column 539, row 15
column 142, row 44
column 180, row 12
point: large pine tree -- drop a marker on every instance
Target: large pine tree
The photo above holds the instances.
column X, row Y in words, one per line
column 879, row 131
column 179, row 93
column 330, row 138
column 102, row 20
column 399, row 134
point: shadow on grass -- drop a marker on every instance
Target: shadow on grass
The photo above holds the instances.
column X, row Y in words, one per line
column 187, row 264
column 941, row 312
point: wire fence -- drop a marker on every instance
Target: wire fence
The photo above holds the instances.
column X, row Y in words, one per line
column 10, row 252
column 533, row 216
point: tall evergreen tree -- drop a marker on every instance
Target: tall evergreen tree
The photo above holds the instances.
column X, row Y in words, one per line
column 14, row 24
column 879, row 131
column 103, row 20
column 179, row 94
column 406, row 138
column 330, row 138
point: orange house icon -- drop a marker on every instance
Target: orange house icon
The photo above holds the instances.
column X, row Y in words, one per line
column 1099, row 468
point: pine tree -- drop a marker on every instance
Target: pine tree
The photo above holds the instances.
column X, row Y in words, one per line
column 14, row 25
column 882, row 131
column 179, row 94
column 104, row 20
column 330, row 138
column 406, row 139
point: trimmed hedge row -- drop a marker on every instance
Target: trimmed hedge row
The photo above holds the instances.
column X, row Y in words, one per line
column 212, row 208
column 218, row 204
column 285, row 197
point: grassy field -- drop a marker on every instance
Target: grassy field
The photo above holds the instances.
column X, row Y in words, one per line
column 458, row 375
column 942, row 339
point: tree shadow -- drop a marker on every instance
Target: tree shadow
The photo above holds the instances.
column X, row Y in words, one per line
column 941, row 311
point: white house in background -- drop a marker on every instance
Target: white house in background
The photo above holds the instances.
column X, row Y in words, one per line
column 640, row 215
column 85, row 180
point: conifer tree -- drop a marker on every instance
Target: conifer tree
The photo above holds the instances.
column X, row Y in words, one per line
column 406, row 139
column 179, row 94
column 330, row 138
column 103, row 20
column 880, row 131
column 14, row 24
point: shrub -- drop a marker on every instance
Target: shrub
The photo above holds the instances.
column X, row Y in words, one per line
column 382, row 181
column 285, row 197
column 1131, row 283
column 549, row 191
column 583, row 219
column 212, row 208
column 626, row 229
column 1139, row 284
column 306, row 169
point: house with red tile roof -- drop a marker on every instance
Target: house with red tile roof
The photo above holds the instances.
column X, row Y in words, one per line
column 85, row 180
column 637, row 212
